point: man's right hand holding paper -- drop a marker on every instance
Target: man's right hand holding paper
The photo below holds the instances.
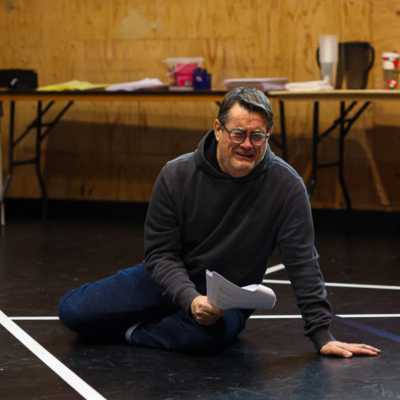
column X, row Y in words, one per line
column 204, row 312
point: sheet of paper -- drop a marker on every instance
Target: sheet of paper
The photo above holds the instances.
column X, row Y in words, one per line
column 308, row 85
column 147, row 83
column 72, row 85
column 224, row 294
column 264, row 84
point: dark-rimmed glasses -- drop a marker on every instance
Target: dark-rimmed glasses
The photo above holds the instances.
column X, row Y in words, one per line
column 238, row 136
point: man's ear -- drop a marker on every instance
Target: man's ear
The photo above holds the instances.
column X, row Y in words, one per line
column 217, row 130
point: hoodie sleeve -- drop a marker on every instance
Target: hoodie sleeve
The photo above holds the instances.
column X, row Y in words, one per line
column 163, row 245
column 296, row 244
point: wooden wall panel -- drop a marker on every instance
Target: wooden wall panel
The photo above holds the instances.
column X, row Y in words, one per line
column 114, row 151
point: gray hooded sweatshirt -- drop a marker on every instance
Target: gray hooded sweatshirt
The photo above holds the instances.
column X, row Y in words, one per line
column 202, row 218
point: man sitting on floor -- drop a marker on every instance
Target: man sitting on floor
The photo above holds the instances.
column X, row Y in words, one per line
column 225, row 207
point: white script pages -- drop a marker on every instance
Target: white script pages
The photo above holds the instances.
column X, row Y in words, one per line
column 224, row 294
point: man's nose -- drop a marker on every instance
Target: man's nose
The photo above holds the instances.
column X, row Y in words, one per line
column 247, row 142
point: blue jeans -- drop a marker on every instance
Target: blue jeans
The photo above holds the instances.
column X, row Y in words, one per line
column 105, row 309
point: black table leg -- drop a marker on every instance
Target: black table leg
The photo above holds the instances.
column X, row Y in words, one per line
column 11, row 164
column 38, row 158
column 315, row 142
column 2, row 212
column 342, row 136
column 282, row 119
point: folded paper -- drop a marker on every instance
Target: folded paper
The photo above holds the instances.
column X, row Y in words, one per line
column 225, row 294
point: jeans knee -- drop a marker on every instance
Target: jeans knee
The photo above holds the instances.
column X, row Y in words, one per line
column 68, row 314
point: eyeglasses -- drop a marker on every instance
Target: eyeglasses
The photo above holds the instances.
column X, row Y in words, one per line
column 238, row 136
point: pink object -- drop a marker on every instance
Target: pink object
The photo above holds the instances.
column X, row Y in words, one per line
column 184, row 74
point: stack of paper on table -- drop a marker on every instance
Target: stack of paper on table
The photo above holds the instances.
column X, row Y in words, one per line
column 308, row 85
column 224, row 294
column 147, row 83
column 72, row 85
column 264, row 84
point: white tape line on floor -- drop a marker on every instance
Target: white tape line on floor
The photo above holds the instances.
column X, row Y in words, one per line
column 296, row 316
column 335, row 284
column 30, row 318
column 53, row 363
column 255, row 316
column 275, row 268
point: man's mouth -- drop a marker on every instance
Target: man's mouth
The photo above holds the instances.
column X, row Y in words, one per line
column 245, row 156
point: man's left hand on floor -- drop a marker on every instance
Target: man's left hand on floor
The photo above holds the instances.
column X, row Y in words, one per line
column 346, row 350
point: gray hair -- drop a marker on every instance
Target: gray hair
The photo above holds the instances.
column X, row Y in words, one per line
column 251, row 99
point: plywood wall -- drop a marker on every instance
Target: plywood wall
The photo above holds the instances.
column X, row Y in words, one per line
column 114, row 151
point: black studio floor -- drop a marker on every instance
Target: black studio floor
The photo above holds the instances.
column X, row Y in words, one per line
column 40, row 260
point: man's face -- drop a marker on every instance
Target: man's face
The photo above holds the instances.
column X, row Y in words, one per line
column 240, row 159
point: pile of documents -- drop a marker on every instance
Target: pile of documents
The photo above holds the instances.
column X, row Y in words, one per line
column 264, row 84
column 72, row 85
column 308, row 85
column 142, row 84
column 147, row 83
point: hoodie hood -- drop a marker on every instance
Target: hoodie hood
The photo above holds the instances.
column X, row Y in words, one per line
column 202, row 162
